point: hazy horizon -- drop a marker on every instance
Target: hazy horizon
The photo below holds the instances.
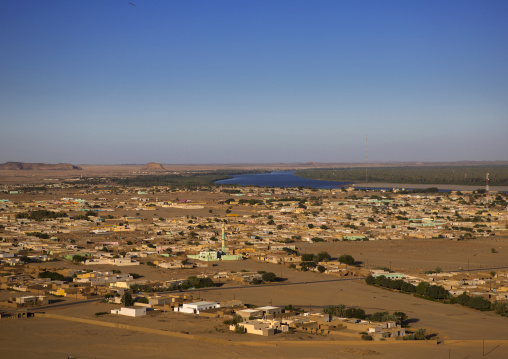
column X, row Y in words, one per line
column 224, row 82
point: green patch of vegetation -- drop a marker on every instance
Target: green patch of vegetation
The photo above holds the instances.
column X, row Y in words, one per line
column 462, row 175
column 38, row 235
column 343, row 311
column 40, row 215
column 233, row 321
column 186, row 179
column 423, row 289
column 347, row 259
column 420, row 334
column 191, row 282
column 52, row 275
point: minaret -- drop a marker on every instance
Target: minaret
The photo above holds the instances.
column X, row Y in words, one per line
column 223, row 240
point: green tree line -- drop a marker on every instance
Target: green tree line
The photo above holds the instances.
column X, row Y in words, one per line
column 462, row 175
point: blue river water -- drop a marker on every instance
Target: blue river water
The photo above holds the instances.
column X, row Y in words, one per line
column 280, row 179
column 288, row 179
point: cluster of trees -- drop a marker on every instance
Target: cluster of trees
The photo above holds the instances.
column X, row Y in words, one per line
column 251, row 202
column 86, row 216
column 500, row 308
column 398, row 317
column 267, row 277
column 38, row 235
column 201, row 178
column 427, row 290
column 347, row 259
column 345, row 312
column 478, row 303
column 420, row 334
column 40, row 215
column 310, row 260
column 78, row 258
column 301, row 201
column 464, row 175
column 191, row 282
column 423, row 289
column 52, row 275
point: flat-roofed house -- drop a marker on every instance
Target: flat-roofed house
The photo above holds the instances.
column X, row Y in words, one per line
column 196, row 307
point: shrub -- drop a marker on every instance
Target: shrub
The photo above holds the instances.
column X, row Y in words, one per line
column 309, row 257
column 479, row 303
column 51, row 275
column 436, row 292
column 501, row 308
column 235, row 320
column 323, row 257
column 347, row 259
column 370, row 280
column 269, row 277
column 366, row 337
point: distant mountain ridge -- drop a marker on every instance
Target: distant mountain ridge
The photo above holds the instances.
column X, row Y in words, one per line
column 20, row 166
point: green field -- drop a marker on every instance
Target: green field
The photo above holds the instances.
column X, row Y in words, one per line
column 460, row 175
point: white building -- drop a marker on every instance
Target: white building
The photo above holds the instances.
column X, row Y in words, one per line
column 196, row 307
column 130, row 311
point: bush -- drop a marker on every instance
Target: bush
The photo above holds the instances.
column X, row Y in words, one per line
column 78, row 258
column 239, row 329
column 269, row 277
column 501, row 308
column 436, row 292
column 323, row 257
column 308, row 257
column 366, row 337
column 420, row 334
column 370, row 280
column 235, row 320
column 347, row 259
column 478, row 303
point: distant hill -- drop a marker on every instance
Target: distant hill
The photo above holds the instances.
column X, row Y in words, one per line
column 153, row 167
column 20, row 166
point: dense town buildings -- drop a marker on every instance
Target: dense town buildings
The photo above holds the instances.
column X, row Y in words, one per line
column 88, row 242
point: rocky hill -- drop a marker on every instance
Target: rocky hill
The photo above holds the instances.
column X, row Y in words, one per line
column 37, row 166
column 153, row 167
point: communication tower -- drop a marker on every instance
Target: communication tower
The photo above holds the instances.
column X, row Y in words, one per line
column 366, row 161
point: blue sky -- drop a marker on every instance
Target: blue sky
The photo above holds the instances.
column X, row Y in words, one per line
column 104, row 82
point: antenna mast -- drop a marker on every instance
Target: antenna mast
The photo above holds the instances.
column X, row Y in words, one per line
column 366, row 161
